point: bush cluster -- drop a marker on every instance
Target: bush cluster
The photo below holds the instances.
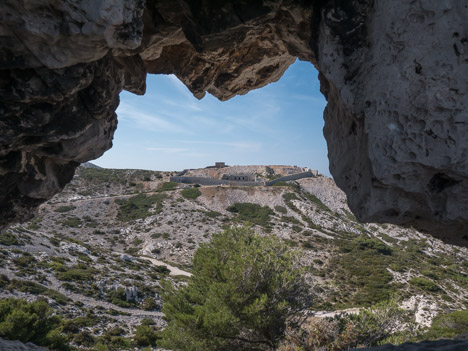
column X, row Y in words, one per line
column 252, row 213
column 31, row 322
column 243, row 289
column 139, row 206
column 191, row 193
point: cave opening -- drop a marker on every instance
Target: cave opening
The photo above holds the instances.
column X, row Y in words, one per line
column 169, row 129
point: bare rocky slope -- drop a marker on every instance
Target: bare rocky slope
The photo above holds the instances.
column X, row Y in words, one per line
column 393, row 73
column 115, row 230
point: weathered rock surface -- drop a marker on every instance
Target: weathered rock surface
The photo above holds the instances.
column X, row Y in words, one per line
column 60, row 88
column 396, row 119
column 439, row 345
column 393, row 73
column 7, row 345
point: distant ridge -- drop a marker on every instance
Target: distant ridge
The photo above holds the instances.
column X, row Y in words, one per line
column 89, row 165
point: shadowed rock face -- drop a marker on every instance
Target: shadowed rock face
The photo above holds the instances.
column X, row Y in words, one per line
column 439, row 345
column 393, row 75
column 7, row 345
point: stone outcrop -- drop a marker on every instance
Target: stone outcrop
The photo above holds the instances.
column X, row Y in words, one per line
column 60, row 88
column 439, row 345
column 392, row 72
column 396, row 116
column 7, row 345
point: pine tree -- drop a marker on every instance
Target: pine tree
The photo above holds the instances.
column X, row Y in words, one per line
column 244, row 289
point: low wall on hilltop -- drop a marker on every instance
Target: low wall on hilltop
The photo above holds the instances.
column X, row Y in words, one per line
column 296, row 176
column 211, row 181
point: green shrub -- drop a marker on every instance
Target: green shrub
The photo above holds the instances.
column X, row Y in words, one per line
column 361, row 269
column 73, row 222
column 281, row 209
column 118, row 298
column 9, row 239
column 430, row 274
column 27, row 287
column 295, row 186
column 291, row 220
column 102, row 175
column 4, row 281
column 371, row 327
column 62, row 209
column 424, row 284
column 145, row 335
column 34, row 226
column 148, row 321
column 78, row 273
column 296, row 228
column 132, row 250
column 289, row 197
column 447, row 326
column 316, row 201
column 30, row 322
column 138, row 206
column 212, row 214
column 137, row 241
column 149, row 304
column 253, row 213
column 243, row 289
column 167, row 186
column 363, row 242
column 25, row 260
column 78, row 323
column 161, row 269
column 191, row 193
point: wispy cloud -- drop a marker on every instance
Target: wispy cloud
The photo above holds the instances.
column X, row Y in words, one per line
column 149, row 121
column 246, row 145
column 180, row 86
column 179, row 152
column 170, row 150
column 309, row 98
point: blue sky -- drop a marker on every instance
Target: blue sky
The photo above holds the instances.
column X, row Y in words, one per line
column 168, row 129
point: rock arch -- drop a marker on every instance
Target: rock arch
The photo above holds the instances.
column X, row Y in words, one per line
column 393, row 72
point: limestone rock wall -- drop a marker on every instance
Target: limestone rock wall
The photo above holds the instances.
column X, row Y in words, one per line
column 7, row 345
column 59, row 89
column 396, row 118
column 439, row 345
column 393, row 73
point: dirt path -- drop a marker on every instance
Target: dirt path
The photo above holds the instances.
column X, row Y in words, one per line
column 325, row 314
column 173, row 270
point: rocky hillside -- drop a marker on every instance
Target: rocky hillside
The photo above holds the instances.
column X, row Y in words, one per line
column 98, row 250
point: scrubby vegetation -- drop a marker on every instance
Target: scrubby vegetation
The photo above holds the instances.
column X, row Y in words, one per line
column 65, row 208
column 31, row 322
column 34, row 288
column 424, row 284
column 168, row 186
column 102, row 175
column 252, row 213
column 146, row 334
column 383, row 323
column 77, row 273
column 243, row 290
column 448, row 325
column 9, row 239
column 89, row 249
column 361, row 269
column 191, row 193
column 139, row 206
